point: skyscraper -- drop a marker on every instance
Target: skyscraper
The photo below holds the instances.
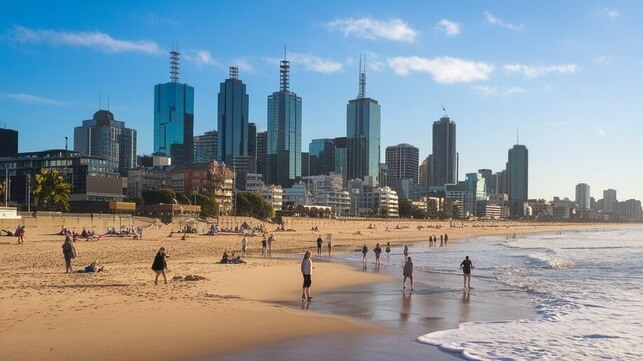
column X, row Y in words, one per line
column 403, row 162
column 322, row 156
column 261, row 153
column 362, row 136
column 583, row 196
column 174, row 117
column 444, row 160
column 232, row 119
column 518, row 179
column 609, row 201
column 9, row 141
column 104, row 137
column 284, row 132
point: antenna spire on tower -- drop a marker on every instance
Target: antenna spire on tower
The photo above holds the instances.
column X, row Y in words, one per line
column 517, row 136
column 174, row 66
column 362, row 78
column 284, row 70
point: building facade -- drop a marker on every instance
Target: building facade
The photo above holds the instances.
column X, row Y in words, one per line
column 403, row 163
column 104, row 137
column 9, row 141
column 284, row 133
column 174, row 117
column 583, row 196
column 205, row 147
column 232, row 119
column 518, row 179
column 444, row 159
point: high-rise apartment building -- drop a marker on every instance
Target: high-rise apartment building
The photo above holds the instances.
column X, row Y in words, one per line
column 340, row 158
column 284, row 133
column 403, row 162
column 174, row 117
column 9, row 141
column 444, row 159
column 205, row 147
column 518, row 179
column 104, row 137
column 262, row 153
column 232, row 119
column 609, row 201
column 583, row 196
column 363, row 136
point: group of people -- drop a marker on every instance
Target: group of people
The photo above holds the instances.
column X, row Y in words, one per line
column 230, row 258
column 378, row 251
column 329, row 244
column 433, row 240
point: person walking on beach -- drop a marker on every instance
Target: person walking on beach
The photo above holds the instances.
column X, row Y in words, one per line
column 271, row 238
column 244, row 245
column 378, row 251
column 408, row 273
column 21, row 234
column 388, row 249
column 307, row 271
column 264, row 245
column 467, row 266
column 364, row 252
column 159, row 266
column 319, row 245
column 406, row 251
column 69, row 252
column 329, row 243
column 446, row 239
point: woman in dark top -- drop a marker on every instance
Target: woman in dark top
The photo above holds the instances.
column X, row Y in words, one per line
column 467, row 266
column 69, row 252
column 160, row 265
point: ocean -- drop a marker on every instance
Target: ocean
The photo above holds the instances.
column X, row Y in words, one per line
column 586, row 287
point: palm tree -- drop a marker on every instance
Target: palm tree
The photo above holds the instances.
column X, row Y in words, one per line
column 51, row 190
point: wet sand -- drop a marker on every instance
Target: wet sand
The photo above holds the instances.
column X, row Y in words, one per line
column 438, row 303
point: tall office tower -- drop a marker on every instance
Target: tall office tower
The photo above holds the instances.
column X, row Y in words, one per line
column 284, row 132
column 174, row 117
column 205, row 147
column 610, row 203
column 444, row 164
column 104, row 137
column 261, row 153
column 501, row 182
column 9, row 141
column 232, row 119
column 305, row 164
column 582, row 196
column 487, row 174
column 322, row 156
column 425, row 172
column 340, row 158
column 403, row 162
column 362, row 136
column 518, row 179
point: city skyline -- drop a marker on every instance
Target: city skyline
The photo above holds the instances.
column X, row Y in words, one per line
column 569, row 90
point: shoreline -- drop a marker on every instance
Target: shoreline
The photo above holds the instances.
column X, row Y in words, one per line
column 49, row 314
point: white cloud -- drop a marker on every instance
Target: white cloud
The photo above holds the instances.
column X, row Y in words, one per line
column 373, row 61
column 443, row 69
column 449, row 27
column 490, row 90
column 243, row 64
column 610, row 13
column 32, row 99
column 202, row 57
column 367, row 28
column 95, row 40
column 315, row 63
column 605, row 60
column 599, row 131
column 535, row 71
column 491, row 19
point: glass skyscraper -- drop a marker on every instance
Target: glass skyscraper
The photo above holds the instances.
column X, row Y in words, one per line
column 104, row 137
column 174, row 117
column 444, row 159
column 232, row 120
column 518, row 179
column 362, row 136
column 284, row 133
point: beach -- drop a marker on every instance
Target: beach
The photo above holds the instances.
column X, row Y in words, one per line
column 120, row 314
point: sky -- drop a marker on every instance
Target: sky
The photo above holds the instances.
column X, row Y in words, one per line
column 563, row 78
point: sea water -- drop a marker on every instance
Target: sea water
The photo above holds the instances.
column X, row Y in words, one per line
column 586, row 287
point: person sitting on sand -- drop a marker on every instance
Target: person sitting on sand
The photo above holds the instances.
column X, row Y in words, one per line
column 160, row 265
column 93, row 267
column 225, row 259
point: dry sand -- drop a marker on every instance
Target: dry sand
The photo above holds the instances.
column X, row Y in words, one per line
column 121, row 314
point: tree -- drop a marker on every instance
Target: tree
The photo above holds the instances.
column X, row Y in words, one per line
column 405, row 207
column 251, row 204
column 158, row 196
column 51, row 190
column 209, row 205
column 181, row 198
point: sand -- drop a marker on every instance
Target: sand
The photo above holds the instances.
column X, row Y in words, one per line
column 120, row 313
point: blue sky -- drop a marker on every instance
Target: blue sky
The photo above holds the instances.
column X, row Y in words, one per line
column 565, row 75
